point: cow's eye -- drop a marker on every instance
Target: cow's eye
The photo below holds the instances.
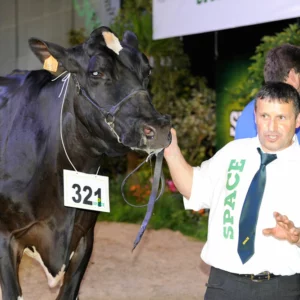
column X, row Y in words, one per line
column 98, row 74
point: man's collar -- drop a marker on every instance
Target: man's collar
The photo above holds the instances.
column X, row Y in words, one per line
column 285, row 152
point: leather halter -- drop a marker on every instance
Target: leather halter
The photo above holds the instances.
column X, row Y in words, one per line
column 109, row 116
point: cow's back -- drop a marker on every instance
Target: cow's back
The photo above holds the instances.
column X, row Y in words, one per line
column 9, row 86
column 16, row 90
column 23, row 133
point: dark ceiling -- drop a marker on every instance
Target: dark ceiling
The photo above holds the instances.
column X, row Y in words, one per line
column 206, row 49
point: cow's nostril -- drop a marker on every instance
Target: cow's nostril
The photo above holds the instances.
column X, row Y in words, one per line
column 149, row 132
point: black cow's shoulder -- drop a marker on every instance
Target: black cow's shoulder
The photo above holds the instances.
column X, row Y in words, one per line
column 38, row 77
column 18, row 76
column 19, row 79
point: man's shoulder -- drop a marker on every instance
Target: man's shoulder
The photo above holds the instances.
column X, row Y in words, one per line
column 248, row 110
column 245, row 126
column 240, row 146
column 245, row 142
column 250, row 106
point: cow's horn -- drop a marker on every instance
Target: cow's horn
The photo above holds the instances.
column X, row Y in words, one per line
column 112, row 42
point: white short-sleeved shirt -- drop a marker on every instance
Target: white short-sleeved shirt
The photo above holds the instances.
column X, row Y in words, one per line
column 221, row 184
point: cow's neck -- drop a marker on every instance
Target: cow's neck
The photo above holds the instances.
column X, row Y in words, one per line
column 84, row 140
column 74, row 139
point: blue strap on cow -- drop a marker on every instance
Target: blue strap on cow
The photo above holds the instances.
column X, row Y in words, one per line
column 109, row 116
column 158, row 174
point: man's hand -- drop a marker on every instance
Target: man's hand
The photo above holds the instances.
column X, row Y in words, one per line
column 181, row 172
column 173, row 149
column 284, row 229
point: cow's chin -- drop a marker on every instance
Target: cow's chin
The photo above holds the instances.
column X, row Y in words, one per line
column 145, row 145
column 147, row 150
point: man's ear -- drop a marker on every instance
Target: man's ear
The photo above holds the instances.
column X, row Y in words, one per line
column 254, row 111
column 293, row 79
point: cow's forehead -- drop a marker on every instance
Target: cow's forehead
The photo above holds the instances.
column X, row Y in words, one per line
column 100, row 61
column 129, row 57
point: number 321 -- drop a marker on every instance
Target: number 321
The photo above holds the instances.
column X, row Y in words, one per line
column 89, row 191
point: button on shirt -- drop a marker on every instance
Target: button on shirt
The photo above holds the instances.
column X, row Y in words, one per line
column 221, row 184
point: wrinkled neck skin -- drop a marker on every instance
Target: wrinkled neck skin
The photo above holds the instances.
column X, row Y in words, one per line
column 86, row 136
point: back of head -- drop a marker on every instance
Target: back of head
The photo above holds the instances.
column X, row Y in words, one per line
column 280, row 60
column 280, row 92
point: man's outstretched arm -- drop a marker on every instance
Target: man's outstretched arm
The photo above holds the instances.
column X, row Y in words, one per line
column 284, row 230
column 181, row 171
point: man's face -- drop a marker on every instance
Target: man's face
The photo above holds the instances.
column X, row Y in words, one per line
column 276, row 123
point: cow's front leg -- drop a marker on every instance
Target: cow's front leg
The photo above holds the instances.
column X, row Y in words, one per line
column 9, row 266
column 73, row 276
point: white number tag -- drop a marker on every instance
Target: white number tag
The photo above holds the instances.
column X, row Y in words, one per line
column 86, row 191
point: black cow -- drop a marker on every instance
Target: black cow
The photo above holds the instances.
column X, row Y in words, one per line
column 99, row 106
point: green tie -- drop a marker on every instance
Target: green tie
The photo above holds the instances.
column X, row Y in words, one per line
column 249, row 215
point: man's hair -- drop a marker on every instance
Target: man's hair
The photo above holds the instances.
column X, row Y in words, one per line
column 280, row 60
column 279, row 92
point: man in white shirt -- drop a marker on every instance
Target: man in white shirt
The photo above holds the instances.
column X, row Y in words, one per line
column 221, row 184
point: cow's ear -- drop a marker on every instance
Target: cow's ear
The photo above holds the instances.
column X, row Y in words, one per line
column 130, row 39
column 45, row 50
column 103, row 36
column 96, row 38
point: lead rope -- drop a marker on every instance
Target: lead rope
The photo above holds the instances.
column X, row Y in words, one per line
column 132, row 172
column 65, row 81
column 158, row 175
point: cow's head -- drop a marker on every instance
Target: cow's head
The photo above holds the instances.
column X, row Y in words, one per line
column 109, row 71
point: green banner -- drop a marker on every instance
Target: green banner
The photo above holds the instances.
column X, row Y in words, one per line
column 228, row 109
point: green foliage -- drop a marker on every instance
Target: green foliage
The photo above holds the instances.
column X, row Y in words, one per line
column 194, row 118
column 168, row 212
column 136, row 16
column 247, row 89
column 76, row 36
